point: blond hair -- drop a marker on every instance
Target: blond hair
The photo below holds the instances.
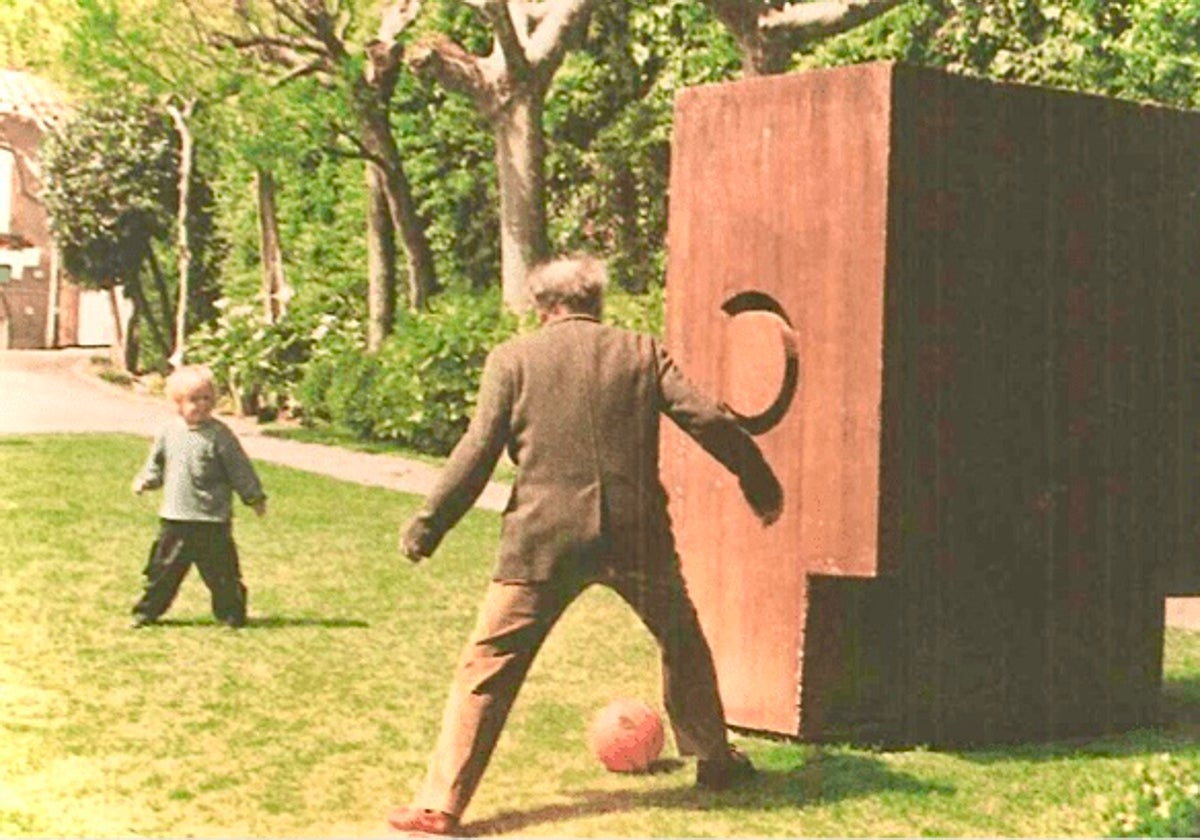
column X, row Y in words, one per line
column 189, row 379
column 575, row 282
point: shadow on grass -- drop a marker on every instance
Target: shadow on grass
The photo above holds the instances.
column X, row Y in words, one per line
column 822, row 778
column 267, row 622
column 1178, row 726
column 1180, row 706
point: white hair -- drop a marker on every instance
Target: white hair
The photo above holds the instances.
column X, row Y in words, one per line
column 576, row 283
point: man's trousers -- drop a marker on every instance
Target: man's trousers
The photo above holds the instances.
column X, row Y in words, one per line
column 514, row 620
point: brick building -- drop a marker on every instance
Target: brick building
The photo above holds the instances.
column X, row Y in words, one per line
column 39, row 306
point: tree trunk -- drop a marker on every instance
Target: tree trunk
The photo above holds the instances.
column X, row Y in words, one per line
column 381, row 261
column 135, row 291
column 183, row 239
column 406, row 219
column 116, row 353
column 125, row 345
column 520, row 168
column 275, row 291
column 164, row 295
column 132, row 343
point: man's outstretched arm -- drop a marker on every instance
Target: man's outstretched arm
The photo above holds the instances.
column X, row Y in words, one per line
column 469, row 467
column 717, row 430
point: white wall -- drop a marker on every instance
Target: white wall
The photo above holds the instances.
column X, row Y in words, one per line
column 95, row 318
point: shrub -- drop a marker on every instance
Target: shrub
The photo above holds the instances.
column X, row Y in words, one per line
column 117, row 377
column 336, row 346
column 252, row 360
column 429, row 371
column 1160, row 801
column 419, row 390
column 642, row 312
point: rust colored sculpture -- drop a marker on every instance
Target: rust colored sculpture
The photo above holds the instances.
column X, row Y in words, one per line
column 964, row 321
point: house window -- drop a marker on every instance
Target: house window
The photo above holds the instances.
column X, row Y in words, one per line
column 6, row 190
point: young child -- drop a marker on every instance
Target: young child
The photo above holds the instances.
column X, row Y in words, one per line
column 198, row 462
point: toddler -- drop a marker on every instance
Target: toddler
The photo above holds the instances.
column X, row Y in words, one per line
column 198, row 462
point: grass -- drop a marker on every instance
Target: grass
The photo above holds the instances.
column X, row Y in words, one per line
column 318, row 717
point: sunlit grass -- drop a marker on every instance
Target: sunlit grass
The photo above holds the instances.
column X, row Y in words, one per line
column 319, row 716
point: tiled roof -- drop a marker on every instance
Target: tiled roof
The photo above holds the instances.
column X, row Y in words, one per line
column 31, row 97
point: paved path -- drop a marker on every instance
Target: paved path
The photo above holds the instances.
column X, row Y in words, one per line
column 55, row 391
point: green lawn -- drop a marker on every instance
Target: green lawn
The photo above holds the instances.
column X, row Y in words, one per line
column 318, row 717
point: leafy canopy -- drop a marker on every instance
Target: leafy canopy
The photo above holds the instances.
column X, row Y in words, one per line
column 110, row 190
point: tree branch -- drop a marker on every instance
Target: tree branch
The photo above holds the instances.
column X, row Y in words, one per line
column 395, row 18
column 272, row 43
column 342, row 21
column 360, row 150
column 314, row 67
column 322, row 25
column 740, row 16
column 810, row 21
column 560, row 21
column 509, row 37
column 768, row 35
column 450, row 65
column 285, row 10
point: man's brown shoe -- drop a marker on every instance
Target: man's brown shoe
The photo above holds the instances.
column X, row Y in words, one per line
column 422, row 822
column 723, row 773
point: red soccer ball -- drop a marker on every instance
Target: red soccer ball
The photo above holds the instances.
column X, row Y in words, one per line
column 626, row 735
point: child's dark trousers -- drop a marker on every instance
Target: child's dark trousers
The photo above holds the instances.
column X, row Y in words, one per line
column 208, row 545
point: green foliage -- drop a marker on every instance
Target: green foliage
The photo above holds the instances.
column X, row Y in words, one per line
column 326, row 388
column 447, row 151
column 639, row 312
column 1159, row 52
column 419, row 389
column 253, row 360
column 1162, row 800
column 1139, row 49
column 110, row 189
column 429, row 372
column 32, row 33
column 320, row 195
column 906, row 33
column 608, row 120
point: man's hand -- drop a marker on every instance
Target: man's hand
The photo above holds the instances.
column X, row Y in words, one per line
column 138, row 486
column 260, row 507
column 765, row 496
column 410, row 548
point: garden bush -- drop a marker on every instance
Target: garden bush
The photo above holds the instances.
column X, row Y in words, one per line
column 430, row 368
column 641, row 312
column 252, row 360
column 418, row 390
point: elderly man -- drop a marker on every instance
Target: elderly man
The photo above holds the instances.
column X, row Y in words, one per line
column 576, row 404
